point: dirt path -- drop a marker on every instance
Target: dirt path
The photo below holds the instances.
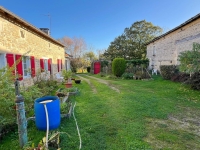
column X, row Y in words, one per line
column 88, row 81
column 104, row 82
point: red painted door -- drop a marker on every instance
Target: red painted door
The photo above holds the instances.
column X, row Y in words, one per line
column 97, row 67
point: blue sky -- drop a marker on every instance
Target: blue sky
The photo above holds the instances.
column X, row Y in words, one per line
column 100, row 21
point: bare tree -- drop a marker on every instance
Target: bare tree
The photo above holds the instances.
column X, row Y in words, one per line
column 68, row 43
column 74, row 46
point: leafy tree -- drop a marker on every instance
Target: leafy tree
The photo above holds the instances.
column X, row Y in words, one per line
column 132, row 43
column 90, row 56
column 190, row 60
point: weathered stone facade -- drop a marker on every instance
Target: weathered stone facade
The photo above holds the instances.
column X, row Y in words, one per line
column 164, row 50
column 19, row 37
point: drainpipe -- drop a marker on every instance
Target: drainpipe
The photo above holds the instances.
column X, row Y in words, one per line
column 21, row 118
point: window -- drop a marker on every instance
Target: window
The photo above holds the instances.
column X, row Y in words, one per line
column 22, row 33
column 26, row 66
column 2, row 60
column 46, row 64
column 154, row 51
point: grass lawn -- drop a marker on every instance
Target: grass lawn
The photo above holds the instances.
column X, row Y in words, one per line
column 154, row 114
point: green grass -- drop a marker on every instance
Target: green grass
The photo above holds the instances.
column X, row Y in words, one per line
column 154, row 114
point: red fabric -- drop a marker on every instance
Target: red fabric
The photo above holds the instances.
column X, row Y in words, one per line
column 49, row 65
column 18, row 58
column 10, row 61
column 42, row 64
column 58, row 64
column 32, row 66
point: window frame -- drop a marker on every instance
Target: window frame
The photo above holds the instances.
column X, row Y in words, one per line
column 2, row 60
column 154, row 51
column 22, row 33
column 26, row 74
column 45, row 61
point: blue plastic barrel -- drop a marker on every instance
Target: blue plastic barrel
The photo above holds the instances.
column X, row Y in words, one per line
column 53, row 109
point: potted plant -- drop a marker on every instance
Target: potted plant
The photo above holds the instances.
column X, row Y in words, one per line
column 77, row 81
column 67, row 74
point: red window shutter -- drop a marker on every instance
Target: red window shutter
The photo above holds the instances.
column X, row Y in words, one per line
column 58, row 65
column 49, row 65
column 18, row 58
column 61, row 63
column 32, row 66
column 10, row 61
column 42, row 64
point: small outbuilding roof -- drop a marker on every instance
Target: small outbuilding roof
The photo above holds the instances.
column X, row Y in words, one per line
column 176, row 28
column 68, row 55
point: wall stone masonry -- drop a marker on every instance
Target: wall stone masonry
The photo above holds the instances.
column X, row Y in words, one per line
column 166, row 49
column 19, row 37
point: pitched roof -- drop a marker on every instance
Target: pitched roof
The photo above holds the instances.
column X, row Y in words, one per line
column 68, row 55
column 28, row 25
column 176, row 28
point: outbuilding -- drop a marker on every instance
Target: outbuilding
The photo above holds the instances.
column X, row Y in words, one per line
column 165, row 49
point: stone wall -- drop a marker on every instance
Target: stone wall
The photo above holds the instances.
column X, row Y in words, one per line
column 165, row 50
column 16, row 38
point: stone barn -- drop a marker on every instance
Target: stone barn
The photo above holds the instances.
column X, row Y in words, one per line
column 165, row 49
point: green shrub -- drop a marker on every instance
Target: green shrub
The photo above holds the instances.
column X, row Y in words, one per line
column 189, row 60
column 118, row 66
column 111, row 76
column 194, row 81
column 138, row 61
column 7, row 92
column 127, row 75
column 180, row 77
column 167, row 71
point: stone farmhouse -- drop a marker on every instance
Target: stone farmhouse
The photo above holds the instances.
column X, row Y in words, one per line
column 165, row 49
column 40, row 52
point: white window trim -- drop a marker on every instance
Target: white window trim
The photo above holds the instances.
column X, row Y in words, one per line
column 45, row 64
column 3, row 60
column 28, row 67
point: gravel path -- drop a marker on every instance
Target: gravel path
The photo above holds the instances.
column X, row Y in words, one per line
column 104, row 82
column 88, row 81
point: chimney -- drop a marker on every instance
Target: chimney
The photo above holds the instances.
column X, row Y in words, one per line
column 45, row 30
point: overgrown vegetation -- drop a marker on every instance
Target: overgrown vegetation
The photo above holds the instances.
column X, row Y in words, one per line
column 42, row 86
column 188, row 71
column 127, row 75
column 138, row 62
column 154, row 114
column 190, row 60
column 167, row 71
